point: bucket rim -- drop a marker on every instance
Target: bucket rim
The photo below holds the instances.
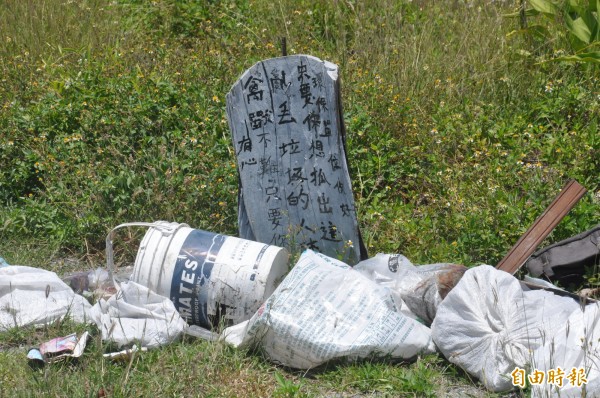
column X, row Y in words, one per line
column 166, row 228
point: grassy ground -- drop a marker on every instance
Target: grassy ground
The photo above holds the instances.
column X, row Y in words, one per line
column 199, row 369
column 460, row 133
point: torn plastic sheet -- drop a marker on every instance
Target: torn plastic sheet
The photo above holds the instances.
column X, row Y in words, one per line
column 575, row 349
column 62, row 347
column 489, row 324
column 33, row 297
column 540, row 282
column 137, row 315
column 59, row 349
column 325, row 310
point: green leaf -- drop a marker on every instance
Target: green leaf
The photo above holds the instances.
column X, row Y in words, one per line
column 280, row 379
column 544, row 6
column 579, row 28
column 592, row 57
column 575, row 6
column 591, row 20
column 530, row 12
column 586, row 10
column 595, row 7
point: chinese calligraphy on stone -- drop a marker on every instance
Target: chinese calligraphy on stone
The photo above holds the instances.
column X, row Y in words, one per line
column 295, row 190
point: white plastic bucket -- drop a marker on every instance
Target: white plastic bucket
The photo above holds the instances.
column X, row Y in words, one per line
column 209, row 277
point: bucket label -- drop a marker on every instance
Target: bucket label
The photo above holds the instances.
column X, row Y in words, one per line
column 191, row 276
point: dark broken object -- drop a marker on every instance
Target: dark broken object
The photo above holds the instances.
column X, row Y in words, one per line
column 437, row 281
column 448, row 276
column 590, row 293
column 78, row 281
column 95, row 283
column 541, row 228
column 565, row 261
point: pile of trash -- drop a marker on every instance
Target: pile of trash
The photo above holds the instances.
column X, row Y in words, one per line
column 484, row 320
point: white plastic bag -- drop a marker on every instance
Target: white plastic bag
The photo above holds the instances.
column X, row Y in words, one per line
column 32, row 296
column 393, row 272
column 136, row 314
column 325, row 310
column 488, row 324
column 576, row 345
column 420, row 288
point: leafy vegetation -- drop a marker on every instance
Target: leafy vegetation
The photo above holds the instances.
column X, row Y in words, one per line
column 459, row 134
column 581, row 20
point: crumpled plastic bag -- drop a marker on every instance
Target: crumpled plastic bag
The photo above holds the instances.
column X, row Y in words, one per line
column 576, row 345
column 93, row 285
column 420, row 289
column 325, row 310
column 488, row 324
column 386, row 270
column 32, row 297
column 137, row 315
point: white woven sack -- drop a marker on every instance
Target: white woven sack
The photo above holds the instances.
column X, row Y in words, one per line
column 34, row 297
column 488, row 324
column 576, row 345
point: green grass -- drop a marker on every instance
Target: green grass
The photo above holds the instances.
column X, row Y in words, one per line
column 193, row 368
column 460, row 132
column 186, row 368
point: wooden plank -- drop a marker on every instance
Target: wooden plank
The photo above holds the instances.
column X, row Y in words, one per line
column 542, row 227
column 287, row 127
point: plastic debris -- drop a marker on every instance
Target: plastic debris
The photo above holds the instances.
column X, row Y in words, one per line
column 201, row 333
column 136, row 314
column 540, row 282
column 326, row 310
column 124, row 355
column 419, row 289
column 35, row 358
column 58, row 349
column 383, row 270
column 94, row 284
column 489, row 325
column 33, row 297
column 3, row 263
column 64, row 347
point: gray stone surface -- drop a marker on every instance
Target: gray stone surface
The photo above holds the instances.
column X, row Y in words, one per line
column 287, row 128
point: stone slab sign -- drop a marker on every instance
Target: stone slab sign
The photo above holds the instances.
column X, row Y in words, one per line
column 288, row 134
